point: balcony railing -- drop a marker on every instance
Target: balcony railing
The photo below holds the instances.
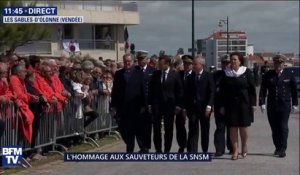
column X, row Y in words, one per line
column 92, row 5
column 86, row 44
column 38, row 47
column 44, row 47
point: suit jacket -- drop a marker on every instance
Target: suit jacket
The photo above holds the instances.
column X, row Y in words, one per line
column 281, row 91
column 172, row 94
column 200, row 93
column 182, row 73
column 128, row 96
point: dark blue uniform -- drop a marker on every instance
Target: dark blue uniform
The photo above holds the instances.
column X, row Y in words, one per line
column 219, row 135
column 281, row 93
column 181, row 133
column 146, row 127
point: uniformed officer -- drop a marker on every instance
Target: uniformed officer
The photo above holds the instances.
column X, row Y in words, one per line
column 146, row 118
column 280, row 85
column 181, row 133
column 221, row 129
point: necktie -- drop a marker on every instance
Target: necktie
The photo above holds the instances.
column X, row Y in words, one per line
column 185, row 75
column 198, row 76
column 164, row 79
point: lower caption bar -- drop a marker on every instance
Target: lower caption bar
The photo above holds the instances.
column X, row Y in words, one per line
column 137, row 157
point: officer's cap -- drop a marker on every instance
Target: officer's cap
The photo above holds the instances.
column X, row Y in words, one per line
column 141, row 54
column 187, row 59
column 225, row 58
column 279, row 58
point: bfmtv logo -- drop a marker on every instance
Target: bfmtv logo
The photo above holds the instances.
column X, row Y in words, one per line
column 12, row 156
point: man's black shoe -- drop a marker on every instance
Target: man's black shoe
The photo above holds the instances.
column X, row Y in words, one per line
column 281, row 154
column 145, row 150
column 218, row 154
column 181, row 150
column 276, row 152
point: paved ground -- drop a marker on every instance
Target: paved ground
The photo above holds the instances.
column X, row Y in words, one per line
column 260, row 160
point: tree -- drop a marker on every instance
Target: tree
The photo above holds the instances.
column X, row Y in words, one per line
column 180, row 51
column 15, row 35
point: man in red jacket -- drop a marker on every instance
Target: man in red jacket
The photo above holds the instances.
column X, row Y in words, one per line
column 17, row 86
column 46, row 87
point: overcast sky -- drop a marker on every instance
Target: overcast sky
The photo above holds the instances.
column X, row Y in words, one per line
column 166, row 25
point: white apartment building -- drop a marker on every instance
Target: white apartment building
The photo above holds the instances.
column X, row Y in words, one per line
column 216, row 45
column 101, row 34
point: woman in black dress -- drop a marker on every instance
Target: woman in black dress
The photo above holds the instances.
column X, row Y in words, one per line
column 238, row 96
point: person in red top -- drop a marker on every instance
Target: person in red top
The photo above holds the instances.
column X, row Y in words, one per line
column 58, row 86
column 34, row 63
column 5, row 93
column 17, row 86
column 45, row 86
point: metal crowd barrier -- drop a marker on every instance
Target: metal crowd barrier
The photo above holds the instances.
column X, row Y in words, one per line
column 58, row 125
column 9, row 117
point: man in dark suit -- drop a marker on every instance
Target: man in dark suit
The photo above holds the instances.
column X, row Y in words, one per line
column 146, row 127
column 128, row 101
column 199, row 98
column 220, row 132
column 181, row 133
column 280, row 85
column 165, row 99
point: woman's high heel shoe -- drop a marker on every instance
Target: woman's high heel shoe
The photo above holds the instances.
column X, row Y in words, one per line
column 244, row 155
column 244, row 151
column 235, row 157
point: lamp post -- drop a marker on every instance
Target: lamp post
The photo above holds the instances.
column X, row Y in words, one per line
column 225, row 21
column 193, row 30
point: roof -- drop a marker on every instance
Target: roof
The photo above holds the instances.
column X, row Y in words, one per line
column 272, row 54
column 255, row 59
column 232, row 35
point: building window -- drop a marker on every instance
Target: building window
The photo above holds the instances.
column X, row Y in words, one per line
column 222, row 42
column 238, row 42
column 222, row 48
column 242, row 47
column 102, row 31
column 221, row 53
column 243, row 53
column 103, row 37
column 68, row 31
column 86, row 36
